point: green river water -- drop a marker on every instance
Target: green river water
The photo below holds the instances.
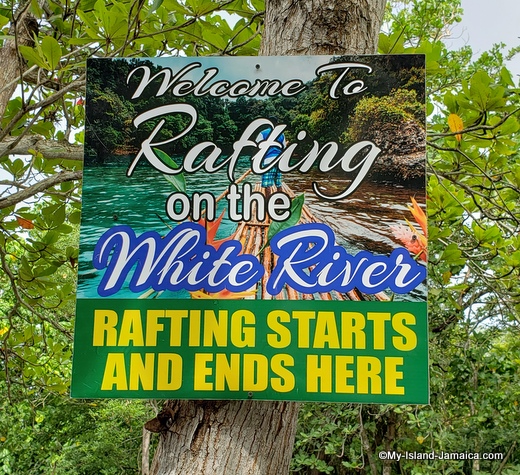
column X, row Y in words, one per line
column 361, row 221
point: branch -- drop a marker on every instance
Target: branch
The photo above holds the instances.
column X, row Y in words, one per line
column 20, row 301
column 474, row 128
column 41, row 105
column 39, row 187
column 48, row 148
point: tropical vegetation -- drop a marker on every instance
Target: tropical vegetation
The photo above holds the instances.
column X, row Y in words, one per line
column 474, row 241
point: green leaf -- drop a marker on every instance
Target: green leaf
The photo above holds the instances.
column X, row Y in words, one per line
column 155, row 5
column 16, row 167
column 113, row 21
column 450, row 101
column 47, row 271
column 3, row 21
column 36, row 9
column 32, row 56
column 75, row 217
column 178, row 181
column 258, row 5
column 51, row 237
column 452, row 255
column 43, row 128
column 479, row 89
column 296, row 213
column 87, row 5
column 510, row 126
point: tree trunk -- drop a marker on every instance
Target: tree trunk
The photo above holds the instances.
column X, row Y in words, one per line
column 23, row 27
column 322, row 27
column 256, row 437
column 227, row 437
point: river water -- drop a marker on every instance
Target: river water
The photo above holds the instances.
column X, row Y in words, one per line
column 360, row 221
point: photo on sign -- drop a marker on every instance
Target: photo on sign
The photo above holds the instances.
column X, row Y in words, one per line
column 357, row 166
column 254, row 228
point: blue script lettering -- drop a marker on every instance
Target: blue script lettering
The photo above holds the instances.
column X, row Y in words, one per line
column 180, row 260
column 312, row 246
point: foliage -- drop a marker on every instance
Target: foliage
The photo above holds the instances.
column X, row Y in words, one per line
column 71, row 437
column 414, row 21
column 474, row 193
column 41, row 135
column 379, row 112
column 474, row 224
column 36, row 325
column 42, row 120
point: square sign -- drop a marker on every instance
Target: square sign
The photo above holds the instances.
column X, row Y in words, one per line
column 254, row 228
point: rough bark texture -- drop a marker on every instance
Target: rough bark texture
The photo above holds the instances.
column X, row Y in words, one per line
column 227, row 438
column 11, row 65
column 145, row 456
column 48, row 149
column 256, row 437
column 322, row 27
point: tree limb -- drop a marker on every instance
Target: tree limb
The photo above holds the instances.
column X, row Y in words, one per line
column 48, row 148
column 39, row 187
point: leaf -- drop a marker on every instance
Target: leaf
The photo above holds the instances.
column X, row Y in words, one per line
column 296, row 213
column 450, row 101
column 37, row 10
column 456, row 125
column 47, row 271
column 178, row 181
column 155, row 5
column 25, row 223
column 32, row 56
column 391, row 44
column 3, row 21
column 506, row 77
column 479, row 89
column 452, row 255
column 113, row 21
column 52, row 51
column 75, row 217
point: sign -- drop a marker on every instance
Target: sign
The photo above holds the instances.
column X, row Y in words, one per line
column 253, row 228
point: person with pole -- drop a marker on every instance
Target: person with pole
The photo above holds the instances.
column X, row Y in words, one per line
column 272, row 177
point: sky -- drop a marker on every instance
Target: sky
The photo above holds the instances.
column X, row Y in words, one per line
column 486, row 22
column 251, row 68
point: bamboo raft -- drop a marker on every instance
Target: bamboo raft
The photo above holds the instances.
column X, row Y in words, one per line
column 253, row 236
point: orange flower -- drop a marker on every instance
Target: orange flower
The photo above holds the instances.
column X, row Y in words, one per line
column 415, row 241
column 419, row 216
column 211, row 231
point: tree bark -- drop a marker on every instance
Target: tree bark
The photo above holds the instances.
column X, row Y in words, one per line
column 227, row 437
column 145, row 456
column 256, row 437
column 322, row 27
column 39, row 187
column 48, row 148
column 23, row 27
